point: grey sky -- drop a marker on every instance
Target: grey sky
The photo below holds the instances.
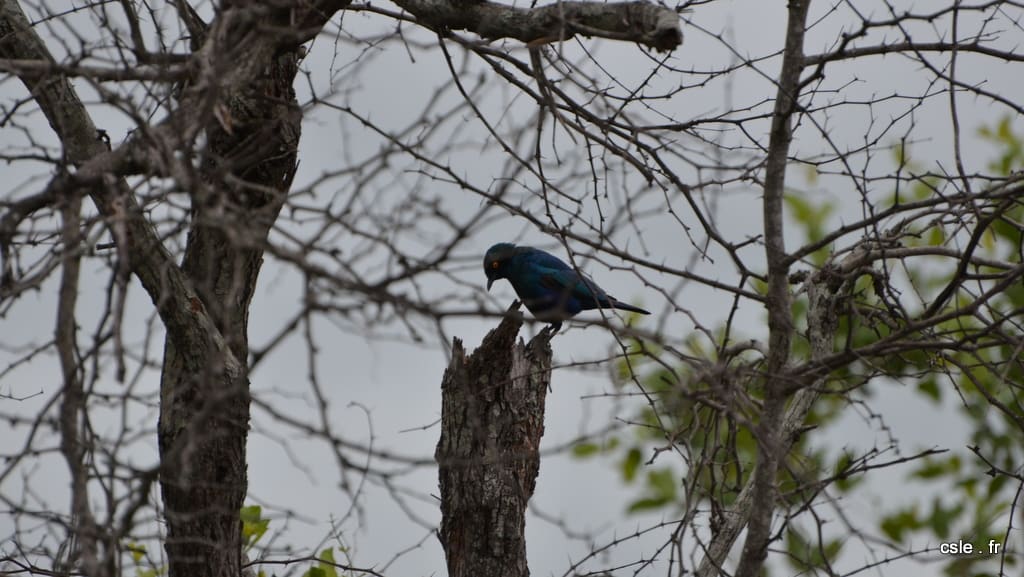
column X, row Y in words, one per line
column 388, row 390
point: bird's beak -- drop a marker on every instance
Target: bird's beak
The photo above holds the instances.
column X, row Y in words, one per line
column 490, row 281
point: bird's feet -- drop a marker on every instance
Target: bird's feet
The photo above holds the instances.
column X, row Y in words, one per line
column 552, row 329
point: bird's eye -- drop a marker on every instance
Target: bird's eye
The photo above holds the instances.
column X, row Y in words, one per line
column 494, row 264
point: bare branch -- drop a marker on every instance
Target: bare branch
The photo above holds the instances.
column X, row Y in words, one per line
column 640, row 22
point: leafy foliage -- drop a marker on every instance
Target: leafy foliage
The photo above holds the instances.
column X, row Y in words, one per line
column 254, row 525
column 973, row 489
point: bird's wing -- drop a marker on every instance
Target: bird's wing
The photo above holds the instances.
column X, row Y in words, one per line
column 545, row 259
column 579, row 286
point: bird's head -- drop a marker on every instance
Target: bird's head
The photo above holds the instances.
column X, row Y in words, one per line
column 496, row 261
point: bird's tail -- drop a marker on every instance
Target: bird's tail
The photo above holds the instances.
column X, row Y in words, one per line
column 626, row 307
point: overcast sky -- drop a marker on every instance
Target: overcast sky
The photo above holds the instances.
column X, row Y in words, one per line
column 388, row 389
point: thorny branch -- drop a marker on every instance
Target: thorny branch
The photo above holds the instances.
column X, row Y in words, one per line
column 522, row 125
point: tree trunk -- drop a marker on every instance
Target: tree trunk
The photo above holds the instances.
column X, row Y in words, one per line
column 204, row 410
column 492, row 420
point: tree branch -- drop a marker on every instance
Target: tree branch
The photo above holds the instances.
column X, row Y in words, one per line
column 149, row 259
column 823, row 288
column 641, row 22
column 83, row 527
column 770, row 444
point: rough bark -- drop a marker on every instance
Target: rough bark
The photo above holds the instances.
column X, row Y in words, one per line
column 492, row 421
column 641, row 22
column 252, row 125
column 204, row 416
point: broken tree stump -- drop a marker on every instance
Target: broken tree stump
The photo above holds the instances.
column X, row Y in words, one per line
column 492, row 420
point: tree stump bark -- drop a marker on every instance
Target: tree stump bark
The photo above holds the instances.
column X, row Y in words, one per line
column 492, row 421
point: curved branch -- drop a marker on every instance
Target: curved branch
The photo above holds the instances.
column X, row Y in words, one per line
column 149, row 259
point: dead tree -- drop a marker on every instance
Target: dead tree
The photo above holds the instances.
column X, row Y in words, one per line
column 492, row 421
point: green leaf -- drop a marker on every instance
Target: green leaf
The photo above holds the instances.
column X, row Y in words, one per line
column 942, row 518
column 648, row 504
column 842, row 466
column 930, row 388
column 583, row 450
column 900, row 154
column 796, row 547
column 631, row 464
column 137, row 552
column 996, row 485
column 832, row 550
column 1003, row 130
column 931, row 469
column 327, row 556
column 811, row 216
column 251, row 513
column 895, row 526
column 254, row 526
column 663, row 483
column 325, row 568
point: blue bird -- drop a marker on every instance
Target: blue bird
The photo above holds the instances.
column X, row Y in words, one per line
column 551, row 289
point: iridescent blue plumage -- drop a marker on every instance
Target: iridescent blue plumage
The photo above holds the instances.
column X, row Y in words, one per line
column 551, row 289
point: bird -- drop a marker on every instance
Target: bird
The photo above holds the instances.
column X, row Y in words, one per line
column 552, row 290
